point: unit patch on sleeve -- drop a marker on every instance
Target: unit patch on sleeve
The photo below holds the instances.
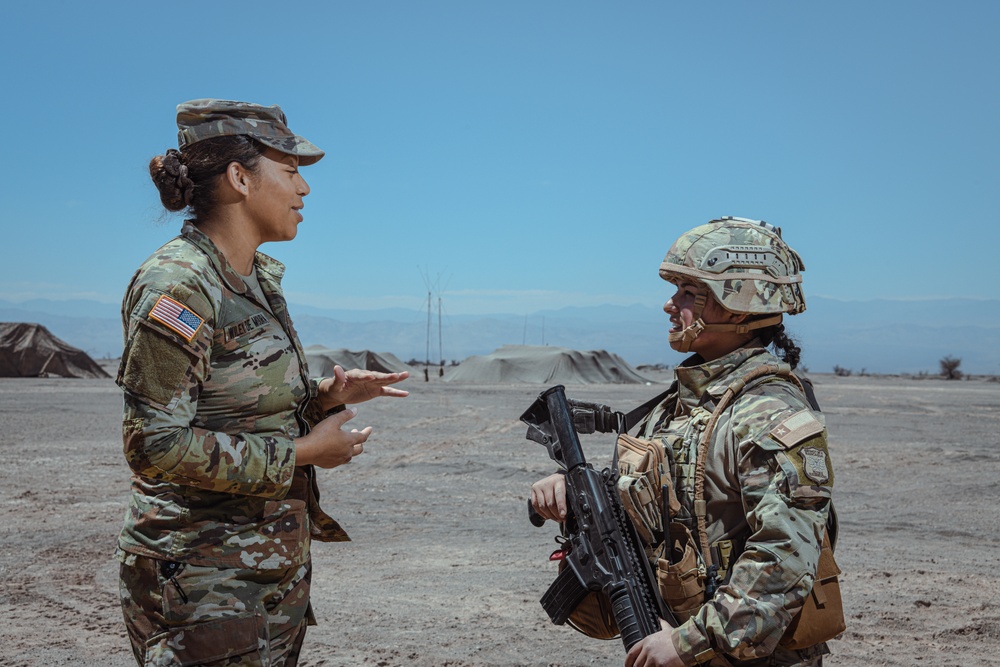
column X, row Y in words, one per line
column 176, row 316
column 814, row 464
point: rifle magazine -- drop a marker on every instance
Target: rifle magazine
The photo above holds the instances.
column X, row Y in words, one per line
column 564, row 595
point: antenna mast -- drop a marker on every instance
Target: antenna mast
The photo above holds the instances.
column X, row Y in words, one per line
column 427, row 359
column 431, row 288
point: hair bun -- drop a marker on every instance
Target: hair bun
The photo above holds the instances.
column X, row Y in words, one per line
column 173, row 164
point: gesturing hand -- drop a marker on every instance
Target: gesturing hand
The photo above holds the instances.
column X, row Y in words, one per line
column 356, row 386
column 328, row 445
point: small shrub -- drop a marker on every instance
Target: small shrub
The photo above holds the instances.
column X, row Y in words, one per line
column 841, row 372
column 949, row 368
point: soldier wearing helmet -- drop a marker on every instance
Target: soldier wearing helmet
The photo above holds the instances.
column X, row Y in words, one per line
column 746, row 459
column 743, row 267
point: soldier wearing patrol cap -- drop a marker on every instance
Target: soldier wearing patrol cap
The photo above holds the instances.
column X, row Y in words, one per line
column 223, row 426
column 746, row 458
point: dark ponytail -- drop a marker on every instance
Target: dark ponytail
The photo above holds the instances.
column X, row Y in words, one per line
column 783, row 344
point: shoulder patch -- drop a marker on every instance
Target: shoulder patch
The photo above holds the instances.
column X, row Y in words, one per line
column 814, row 464
column 177, row 317
column 795, row 428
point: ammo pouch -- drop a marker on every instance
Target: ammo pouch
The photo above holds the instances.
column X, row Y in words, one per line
column 640, row 475
column 640, row 486
column 680, row 574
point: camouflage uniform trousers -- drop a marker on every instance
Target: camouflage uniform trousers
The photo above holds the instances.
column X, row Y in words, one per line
column 179, row 614
column 782, row 657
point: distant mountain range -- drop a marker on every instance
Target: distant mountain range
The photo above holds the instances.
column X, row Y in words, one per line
column 880, row 336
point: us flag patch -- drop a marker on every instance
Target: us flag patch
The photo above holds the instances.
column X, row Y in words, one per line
column 176, row 316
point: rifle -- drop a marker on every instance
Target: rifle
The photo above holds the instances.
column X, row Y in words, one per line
column 602, row 550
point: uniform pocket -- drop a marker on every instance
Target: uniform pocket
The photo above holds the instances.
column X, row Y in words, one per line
column 204, row 643
column 822, row 615
column 682, row 579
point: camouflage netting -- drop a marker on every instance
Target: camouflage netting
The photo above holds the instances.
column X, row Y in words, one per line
column 30, row 350
column 528, row 364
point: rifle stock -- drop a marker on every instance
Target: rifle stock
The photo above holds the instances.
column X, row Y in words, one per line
column 603, row 550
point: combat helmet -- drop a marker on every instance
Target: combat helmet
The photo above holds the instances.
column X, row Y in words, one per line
column 745, row 265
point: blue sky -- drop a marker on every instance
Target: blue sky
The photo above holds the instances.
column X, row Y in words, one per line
column 519, row 155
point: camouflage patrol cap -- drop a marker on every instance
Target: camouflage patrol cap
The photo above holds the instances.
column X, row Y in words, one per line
column 207, row 118
column 744, row 263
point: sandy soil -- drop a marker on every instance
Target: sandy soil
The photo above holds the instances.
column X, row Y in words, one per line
column 445, row 570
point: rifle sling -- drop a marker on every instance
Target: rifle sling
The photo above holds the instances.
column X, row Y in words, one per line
column 628, row 421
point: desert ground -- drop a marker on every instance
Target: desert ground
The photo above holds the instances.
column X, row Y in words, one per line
column 444, row 568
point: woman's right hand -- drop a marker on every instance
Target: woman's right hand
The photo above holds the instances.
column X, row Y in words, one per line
column 328, row 445
column 548, row 497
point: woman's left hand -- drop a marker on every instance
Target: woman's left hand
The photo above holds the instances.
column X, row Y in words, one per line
column 357, row 386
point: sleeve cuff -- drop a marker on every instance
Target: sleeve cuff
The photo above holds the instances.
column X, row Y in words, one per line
column 692, row 646
column 276, row 478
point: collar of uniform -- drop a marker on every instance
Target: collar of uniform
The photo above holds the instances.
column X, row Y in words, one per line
column 233, row 279
column 746, row 359
column 270, row 266
column 270, row 272
column 713, row 377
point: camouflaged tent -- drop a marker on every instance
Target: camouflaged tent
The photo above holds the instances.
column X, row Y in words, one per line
column 30, row 350
column 321, row 361
column 531, row 364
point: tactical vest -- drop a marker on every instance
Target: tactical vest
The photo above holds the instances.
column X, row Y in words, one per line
column 688, row 566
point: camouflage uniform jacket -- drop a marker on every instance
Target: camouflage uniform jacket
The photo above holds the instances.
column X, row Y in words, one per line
column 768, row 484
column 216, row 388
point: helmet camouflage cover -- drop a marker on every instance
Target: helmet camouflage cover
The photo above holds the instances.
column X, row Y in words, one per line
column 744, row 263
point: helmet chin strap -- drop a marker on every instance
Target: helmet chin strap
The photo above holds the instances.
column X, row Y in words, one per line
column 686, row 336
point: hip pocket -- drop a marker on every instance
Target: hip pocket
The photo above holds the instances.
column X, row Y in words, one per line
column 243, row 636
